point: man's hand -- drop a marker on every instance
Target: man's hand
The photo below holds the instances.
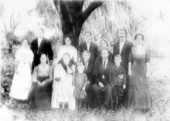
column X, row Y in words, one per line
column 120, row 76
column 124, row 86
column 88, row 82
column 103, row 77
column 101, row 84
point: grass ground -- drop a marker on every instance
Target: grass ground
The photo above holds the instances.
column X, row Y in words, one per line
column 159, row 80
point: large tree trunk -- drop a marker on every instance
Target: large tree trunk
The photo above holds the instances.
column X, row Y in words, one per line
column 73, row 17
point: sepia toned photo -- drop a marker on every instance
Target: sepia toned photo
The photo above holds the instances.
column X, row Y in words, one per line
column 85, row 60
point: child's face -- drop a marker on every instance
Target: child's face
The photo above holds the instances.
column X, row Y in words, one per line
column 117, row 61
column 80, row 68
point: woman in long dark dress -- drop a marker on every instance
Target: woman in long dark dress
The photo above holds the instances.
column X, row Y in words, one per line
column 42, row 78
column 139, row 92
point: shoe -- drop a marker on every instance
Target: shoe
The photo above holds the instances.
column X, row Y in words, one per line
column 104, row 109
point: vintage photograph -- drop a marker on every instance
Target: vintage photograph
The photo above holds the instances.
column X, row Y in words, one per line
column 85, row 60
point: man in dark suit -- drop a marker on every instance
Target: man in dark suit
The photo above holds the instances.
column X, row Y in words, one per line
column 123, row 48
column 89, row 68
column 105, row 74
column 89, row 46
column 41, row 45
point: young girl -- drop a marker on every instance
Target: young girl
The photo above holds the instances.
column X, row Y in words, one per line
column 80, row 81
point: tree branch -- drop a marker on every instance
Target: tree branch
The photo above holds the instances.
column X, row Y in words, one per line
column 90, row 9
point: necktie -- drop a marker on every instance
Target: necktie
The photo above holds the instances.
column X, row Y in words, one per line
column 104, row 64
column 86, row 65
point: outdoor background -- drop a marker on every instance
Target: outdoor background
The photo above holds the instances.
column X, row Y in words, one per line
column 22, row 18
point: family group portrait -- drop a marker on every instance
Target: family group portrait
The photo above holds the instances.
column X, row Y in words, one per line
column 84, row 60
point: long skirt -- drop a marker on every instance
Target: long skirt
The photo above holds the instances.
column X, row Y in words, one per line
column 40, row 97
column 21, row 83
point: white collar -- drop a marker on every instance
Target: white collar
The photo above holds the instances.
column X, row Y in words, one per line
column 105, row 60
column 88, row 44
column 122, row 42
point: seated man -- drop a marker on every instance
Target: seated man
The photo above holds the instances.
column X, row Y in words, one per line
column 120, row 82
column 104, row 74
column 89, row 68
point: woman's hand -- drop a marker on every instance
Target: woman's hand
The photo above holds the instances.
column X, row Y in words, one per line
column 39, row 83
column 43, row 83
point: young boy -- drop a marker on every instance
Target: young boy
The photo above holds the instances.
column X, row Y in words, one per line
column 120, row 81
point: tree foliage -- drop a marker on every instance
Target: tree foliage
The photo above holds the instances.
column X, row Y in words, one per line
column 107, row 19
column 48, row 12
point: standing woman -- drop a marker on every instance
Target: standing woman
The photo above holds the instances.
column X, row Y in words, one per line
column 21, row 82
column 67, row 48
column 139, row 92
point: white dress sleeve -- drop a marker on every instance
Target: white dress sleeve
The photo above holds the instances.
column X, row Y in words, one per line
column 31, row 56
column 75, row 54
column 18, row 55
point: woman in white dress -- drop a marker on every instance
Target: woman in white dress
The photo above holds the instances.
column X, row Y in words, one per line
column 21, row 82
column 62, row 94
column 67, row 48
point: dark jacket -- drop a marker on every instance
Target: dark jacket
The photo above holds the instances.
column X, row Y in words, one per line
column 108, row 72
column 45, row 47
column 120, row 71
column 124, row 53
column 89, row 72
column 93, row 50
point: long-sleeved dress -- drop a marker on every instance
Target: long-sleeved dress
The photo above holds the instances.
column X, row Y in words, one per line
column 139, row 91
column 80, row 81
column 21, row 82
